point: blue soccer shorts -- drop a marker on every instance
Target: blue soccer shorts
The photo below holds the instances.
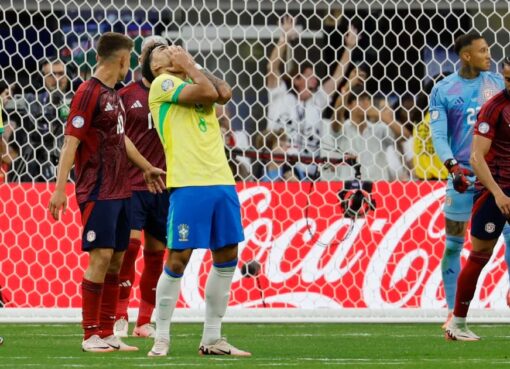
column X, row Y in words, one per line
column 458, row 206
column 149, row 212
column 487, row 221
column 106, row 224
column 206, row 217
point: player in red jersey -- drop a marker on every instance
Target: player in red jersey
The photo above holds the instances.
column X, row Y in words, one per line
column 148, row 211
column 490, row 159
column 96, row 144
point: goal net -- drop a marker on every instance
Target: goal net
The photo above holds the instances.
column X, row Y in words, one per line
column 312, row 82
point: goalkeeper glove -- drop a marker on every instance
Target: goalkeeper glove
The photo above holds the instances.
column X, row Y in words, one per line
column 460, row 182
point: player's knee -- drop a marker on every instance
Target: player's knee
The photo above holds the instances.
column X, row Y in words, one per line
column 99, row 259
column 176, row 266
column 455, row 228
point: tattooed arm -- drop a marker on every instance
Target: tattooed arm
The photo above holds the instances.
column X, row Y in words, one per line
column 223, row 88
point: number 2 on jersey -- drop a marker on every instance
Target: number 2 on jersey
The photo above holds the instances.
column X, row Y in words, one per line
column 472, row 114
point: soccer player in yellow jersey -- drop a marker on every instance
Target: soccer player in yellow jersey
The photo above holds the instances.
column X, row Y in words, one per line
column 204, row 207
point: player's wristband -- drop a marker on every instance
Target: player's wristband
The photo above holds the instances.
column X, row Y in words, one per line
column 450, row 164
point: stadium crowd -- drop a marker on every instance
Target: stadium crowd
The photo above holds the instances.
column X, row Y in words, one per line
column 310, row 123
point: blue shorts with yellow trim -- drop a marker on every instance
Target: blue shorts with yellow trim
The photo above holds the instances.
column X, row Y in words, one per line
column 205, row 217
column 106, row 224
column 457, row 206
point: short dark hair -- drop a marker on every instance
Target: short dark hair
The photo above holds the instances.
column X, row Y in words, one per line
column 146, row 65
column 466, row 40
column 111, row 42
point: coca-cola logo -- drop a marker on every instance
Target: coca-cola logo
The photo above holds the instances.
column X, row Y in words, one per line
column 388, row 260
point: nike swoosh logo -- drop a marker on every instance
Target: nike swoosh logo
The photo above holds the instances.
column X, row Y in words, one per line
column 114, row 347
column 225, row 352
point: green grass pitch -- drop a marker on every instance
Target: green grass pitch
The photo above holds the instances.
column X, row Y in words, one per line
column 48, row 346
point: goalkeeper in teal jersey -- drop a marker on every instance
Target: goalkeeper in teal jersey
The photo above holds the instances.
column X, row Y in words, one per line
column 454, row 105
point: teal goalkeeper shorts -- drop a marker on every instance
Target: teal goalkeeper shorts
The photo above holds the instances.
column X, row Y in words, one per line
column 458, row 206
column 205, row 217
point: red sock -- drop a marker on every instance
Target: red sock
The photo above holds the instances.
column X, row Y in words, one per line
column 468, row 278
column 91, row 303
column 152, row 269
column 127, row 277
column 109, row 304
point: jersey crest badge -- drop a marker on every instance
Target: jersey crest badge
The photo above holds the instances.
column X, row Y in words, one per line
column 78, row 121
column 167, row 84
column 483, row 127
column 183, row 232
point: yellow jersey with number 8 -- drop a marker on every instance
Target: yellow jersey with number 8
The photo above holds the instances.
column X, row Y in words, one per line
column 191, row 137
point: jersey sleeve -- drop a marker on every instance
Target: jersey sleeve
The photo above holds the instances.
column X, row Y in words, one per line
column 82, row 110
column 487, row 120
column 439, row 125
column 167, row 88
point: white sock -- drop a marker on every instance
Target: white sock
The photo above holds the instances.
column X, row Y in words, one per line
column 459, row 321
column 167, row 293
column 217, row 294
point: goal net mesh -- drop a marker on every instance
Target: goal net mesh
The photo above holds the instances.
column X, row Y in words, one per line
column 315, row 83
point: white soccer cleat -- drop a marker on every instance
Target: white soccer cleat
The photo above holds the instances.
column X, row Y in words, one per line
column 95, row 344
column 160, row 347
column 221, row 347
column 117, row 344
column 456, row 332
column 120, row 328
column 146, row 331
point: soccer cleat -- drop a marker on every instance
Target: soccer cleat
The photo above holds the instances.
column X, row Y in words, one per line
column 95, row 344
column 221, row 347
column 448, row 319
column 160, row 347
column 145, row 330
column 117, row 344
column 120, row 328
column 456, row 332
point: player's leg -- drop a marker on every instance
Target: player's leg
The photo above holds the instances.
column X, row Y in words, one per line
column 92, row 290
column 153, row 255
column 127, row 276
column 185, row 228
column 120, row 211
column 128, row 273
column 457, row 212
column 226, row 233
column 97, row 233
column 506, row 236
column 167, row 294
column 486, row 226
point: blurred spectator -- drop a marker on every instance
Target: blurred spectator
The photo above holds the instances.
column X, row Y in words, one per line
column 239, row 164
column 400, row 160
column 49, row 108
column 275, row 168
column 296, row 103
column 370, row 134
